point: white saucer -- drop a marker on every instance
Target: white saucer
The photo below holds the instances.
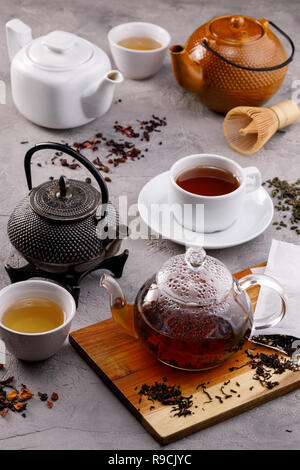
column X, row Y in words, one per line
column 256, row 217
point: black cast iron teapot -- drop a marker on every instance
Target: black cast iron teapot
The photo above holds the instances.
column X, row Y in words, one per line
column 65, row 225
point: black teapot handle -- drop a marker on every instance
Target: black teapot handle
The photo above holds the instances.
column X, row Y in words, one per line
column 73, row 153
column 257, row 69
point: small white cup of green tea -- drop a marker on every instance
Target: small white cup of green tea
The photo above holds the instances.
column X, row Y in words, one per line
column 19, row 337
column 138, row 48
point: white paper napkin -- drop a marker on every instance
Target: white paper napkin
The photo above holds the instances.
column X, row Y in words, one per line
column 283, row 265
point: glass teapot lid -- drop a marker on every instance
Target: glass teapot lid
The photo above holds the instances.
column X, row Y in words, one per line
column 194, row 278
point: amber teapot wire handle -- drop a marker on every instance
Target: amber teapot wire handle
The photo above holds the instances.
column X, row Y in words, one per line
column 257, row 69
column 73, row 153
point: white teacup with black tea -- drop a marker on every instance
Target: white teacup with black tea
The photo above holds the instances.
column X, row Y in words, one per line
column 213, row 183
column 35, row 318
column 206, row 180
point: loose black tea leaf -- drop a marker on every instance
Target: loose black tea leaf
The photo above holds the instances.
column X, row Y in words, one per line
column 226, row 395
column 282, row 343
column 168, row 395
column 266, row 366
column 200, row 386
column 43, row 396
column 208, row 395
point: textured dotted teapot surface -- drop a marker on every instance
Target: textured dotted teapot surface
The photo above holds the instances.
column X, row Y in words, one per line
column 246, row 42
column 52, row 243
column 266, row 52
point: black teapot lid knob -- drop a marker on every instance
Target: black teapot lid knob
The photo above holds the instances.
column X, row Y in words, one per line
column 63, row 184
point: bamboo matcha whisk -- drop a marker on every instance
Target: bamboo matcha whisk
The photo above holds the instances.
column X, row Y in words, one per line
column 247, row 129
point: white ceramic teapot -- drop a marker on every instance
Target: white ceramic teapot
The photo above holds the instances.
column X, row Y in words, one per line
column 59, row 80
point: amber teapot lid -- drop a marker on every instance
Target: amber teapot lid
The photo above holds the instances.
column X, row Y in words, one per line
column 236, row 28
column 194, row 278
column 235, row 32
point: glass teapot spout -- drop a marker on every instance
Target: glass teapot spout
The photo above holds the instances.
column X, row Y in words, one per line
column 122, row 312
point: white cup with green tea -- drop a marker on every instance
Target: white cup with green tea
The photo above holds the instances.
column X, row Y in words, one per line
column 138, row 48
column 35, row 318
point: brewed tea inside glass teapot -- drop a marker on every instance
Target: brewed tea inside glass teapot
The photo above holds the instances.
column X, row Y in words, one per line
column 192, row 314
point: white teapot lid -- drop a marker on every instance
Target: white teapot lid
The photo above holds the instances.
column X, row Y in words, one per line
column 60, row 49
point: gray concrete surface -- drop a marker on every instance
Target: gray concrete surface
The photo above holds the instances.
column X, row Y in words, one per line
column 88, row 415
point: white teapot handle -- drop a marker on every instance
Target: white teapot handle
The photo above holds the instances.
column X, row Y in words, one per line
column 18, row 34
column 268, row 281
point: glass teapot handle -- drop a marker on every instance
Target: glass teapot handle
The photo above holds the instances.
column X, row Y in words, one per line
column 73, row 153
column 267, row 281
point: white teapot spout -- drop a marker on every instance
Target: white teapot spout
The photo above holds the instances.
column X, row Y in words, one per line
column 18, row 34
column 98, row 99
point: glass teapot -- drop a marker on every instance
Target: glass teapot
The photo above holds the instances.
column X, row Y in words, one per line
column 193, row 314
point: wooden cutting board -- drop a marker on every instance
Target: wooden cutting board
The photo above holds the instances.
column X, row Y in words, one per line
column 124, row 364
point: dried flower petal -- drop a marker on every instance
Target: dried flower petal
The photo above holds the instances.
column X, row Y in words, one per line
column 19, row 406
column 12, row 395
column 25, row 394
column 54, row 396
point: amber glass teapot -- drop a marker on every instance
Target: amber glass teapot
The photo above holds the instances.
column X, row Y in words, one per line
column 232, row 60
column 192, row 315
